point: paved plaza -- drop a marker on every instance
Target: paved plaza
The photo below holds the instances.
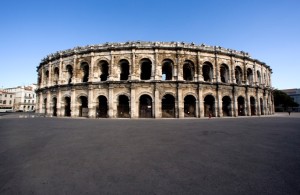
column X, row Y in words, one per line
column 248, row 155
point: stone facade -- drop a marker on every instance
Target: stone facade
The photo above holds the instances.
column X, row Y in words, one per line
column 153, row 80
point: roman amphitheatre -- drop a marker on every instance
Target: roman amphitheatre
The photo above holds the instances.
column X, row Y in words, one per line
column 153, row 80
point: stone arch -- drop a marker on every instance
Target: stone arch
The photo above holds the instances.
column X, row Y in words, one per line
column 258, row 77
column 167, row 69
column 104, row 70
column 123, row 108
column 145, row 106
column 67, row 105
column 83, row 105
column 190, row 106
column 188, row 70
column 124, row 69
column 46, row 77
column 224, row 73
column 249, row 76
column 56, row 75
column 102, row 107
column 146, row 69
column 209, row 106
column 85, row 68
column 69, row 69
column 207, row 71
column 238, row 75
column 54, row 106
column 241, row 106
column 168, row 106
column 226, row 106
column 252, row 106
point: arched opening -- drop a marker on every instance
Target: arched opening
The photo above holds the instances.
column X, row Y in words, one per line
column 67, row 106
column 146, row 67
column 124, row 69
column 123, row 107
column 258, row 77
column 188, row 71
column 83, row 108
column 241, row 106
column 252, row 106
column 238, row 75
column 145, row 110
column 249, row 76
column 226, row 106
column 54, row 106
column 209, row 106
column 168, row 106
column 39, row 78
column 45, row 106
column 224, row 73
column 85, row 71
column 167, row 70
column 102, row 108
column 207, row 71
column 189, row 106
column 261, row 106
column 103, row 66
column 70, row 73
column 46, row 76
column 56, row 75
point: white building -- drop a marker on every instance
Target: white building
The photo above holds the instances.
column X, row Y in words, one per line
column 25, row 97
column 6, row 101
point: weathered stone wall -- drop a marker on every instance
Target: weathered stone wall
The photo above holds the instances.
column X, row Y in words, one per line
column 199, row 94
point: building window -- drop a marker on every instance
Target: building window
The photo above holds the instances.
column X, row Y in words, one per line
column 9, row 101
column 5, row 95
column 24, row 101
column 4, row 101
column 10, row 96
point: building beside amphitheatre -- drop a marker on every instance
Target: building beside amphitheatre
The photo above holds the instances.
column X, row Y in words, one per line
column 153, row 80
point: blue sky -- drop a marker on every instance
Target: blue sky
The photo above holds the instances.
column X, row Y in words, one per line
column 30, row 30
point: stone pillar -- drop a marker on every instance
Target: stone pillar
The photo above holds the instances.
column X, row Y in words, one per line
column 111, row 68
column 49, row 82
column 199, row 66
column 48, row 106
column 58, row 108
column 111, row 101
column 40, row 102
column 197, row 109
column 91, row 103
column 247, row 103
column 74, row 109
column 235, row 103
column 133, row 71
column 220, row 103
column 75, row 74
column 91, row 71
column 201, row 102
column 133, row 112
column 232, row 80
column 177, row 73
column 180, row 102
column 157, row 66
column 157, row 102
column 60, row 72
column 217, row 70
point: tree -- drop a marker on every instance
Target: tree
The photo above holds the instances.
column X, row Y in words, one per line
column 281, row 99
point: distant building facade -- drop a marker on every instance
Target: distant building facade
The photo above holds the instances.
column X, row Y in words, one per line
column 295, row 94
column 153, row 80
column 6, row 101
column 25, row 97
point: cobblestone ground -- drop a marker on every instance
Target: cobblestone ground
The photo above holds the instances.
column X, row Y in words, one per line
column 248, row 155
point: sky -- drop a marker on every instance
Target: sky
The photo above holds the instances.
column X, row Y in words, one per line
column 269, row 30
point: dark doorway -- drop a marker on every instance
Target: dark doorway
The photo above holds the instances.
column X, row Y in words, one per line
column 45, row 106
column 102, row 108
column 188, row 71
column 189, row 106
column 104, row 70
column 241, row 106
column 124, row 66
column 123, row 107
column 224, row 73
column 167, row 69
column 145, row 110
column 261, row 106
column 146, row 67
column 238, row 75
column 67, row 106
column 70, row 73
column 56, row 75
column 207, row 72
column 83, row 108
column 226, row 106
column 85, row 70
column 209, row 106
column 54, row 107
column 168, row 106
column 253, row 106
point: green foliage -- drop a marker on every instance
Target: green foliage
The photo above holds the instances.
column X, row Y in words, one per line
column 282, row 99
